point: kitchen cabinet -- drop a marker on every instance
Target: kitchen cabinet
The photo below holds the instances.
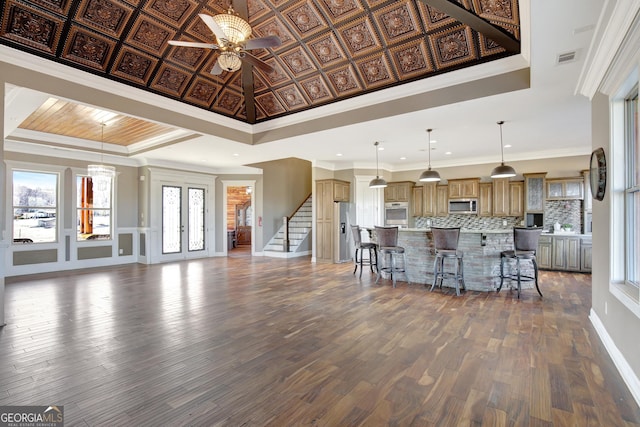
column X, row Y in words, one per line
column 566, row 253
column 516, row 202
column 565, row 188
column 534, row 192
column 430, row 199
column 501, row 197
column 442, row 200
column 417, row 196
column 585, row 254
column 464, row 188
column 543, row 254
column 328, row 191
column 485, row 205
column 398, row 191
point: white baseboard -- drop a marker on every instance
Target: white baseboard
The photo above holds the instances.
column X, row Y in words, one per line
column 629, row 377
column 274, row 254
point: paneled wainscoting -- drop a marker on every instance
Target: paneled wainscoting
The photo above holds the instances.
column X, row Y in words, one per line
column 284, row 342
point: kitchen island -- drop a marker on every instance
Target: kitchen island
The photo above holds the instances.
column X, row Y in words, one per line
column 481, row 257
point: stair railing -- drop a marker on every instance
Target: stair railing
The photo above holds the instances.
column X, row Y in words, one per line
column 285, row 223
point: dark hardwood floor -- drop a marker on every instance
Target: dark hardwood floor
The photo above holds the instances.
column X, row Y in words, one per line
column 244, row 341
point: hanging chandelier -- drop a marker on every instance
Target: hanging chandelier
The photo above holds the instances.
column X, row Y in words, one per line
column 101, row 174
column 235, row 28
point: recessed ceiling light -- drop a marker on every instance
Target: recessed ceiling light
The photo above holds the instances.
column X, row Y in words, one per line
column 448, row 153
column 380, row 148
column 507, row 146
column 339, row 154
column 433, row 141
column 403, row 158
column 235, row 154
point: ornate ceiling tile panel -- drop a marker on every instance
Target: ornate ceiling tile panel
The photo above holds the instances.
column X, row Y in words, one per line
column 109, row 16
column 339, row 10
column 305, row 19
column 297, row 61
column 202, row 92
column 411, row 59
column 150, row 35
column 174, row 12
column 291, row 97
column 88, row 48
column 316, row 89
column 189, row 57
column 270, row 104
column 228, row 102
column 170, row 80
column 359, row 37
column 498, row 10
column 134, row 66
column 198, row 29
column 433, row 19
column 31, row 27
column 257, row 9
column 398, row 22
column 58, row 6
column 375, row 71
column 453, row 47
column 277, row 76
column 326, row 50
column 275, row 27
column 344, row 81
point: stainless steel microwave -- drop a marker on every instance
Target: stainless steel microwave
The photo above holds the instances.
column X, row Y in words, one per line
column 396, row 213
column 463, row 206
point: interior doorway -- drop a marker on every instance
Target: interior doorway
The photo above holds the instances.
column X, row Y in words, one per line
column 239, row 220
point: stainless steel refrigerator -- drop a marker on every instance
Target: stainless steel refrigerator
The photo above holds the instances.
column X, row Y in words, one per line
column 343, row 239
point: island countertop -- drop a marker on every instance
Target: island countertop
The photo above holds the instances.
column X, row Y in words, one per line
column 481, row 257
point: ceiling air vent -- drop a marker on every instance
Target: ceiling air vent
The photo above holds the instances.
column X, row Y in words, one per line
column 563, row 58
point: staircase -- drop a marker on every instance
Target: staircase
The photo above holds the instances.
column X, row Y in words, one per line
column 299, row 232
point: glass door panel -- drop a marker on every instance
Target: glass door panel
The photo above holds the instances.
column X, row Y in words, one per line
column 196, row 219
column 171, row 219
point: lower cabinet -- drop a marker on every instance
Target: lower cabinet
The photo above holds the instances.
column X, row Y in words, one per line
column 569, row 253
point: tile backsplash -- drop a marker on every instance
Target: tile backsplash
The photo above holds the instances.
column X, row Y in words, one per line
column 472, row 222
column 563, row 212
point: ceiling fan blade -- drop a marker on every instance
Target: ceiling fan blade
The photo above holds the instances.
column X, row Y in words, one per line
column 193, row 44
column 217, row 69
column 247, row 57
column 213, row 26
column 262, row 42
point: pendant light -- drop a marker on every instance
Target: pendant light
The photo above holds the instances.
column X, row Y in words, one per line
column 101, row 174
column 377, row 182
column 429, row 175
column 502, row 171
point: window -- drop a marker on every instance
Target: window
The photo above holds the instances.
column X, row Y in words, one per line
column 93, row 200
column 35, row 201
column 632, row 190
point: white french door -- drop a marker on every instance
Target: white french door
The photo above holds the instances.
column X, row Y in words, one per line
column 184, row 225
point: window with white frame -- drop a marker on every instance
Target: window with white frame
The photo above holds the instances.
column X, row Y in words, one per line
column 632, row 190
column 93, row 208
column 35, row 206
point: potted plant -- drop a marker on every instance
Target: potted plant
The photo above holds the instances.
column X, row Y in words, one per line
column 567, row 227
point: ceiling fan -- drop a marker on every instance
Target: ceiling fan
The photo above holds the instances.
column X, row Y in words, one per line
column 232, row 33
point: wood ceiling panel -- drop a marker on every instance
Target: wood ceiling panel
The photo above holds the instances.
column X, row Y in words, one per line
column 330, row 50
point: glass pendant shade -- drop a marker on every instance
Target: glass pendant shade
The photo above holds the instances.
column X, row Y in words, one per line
column 229, row 61
column 502, row 171
column 429, row 175
column 101, row 174
column 377, row 182
column 235, row 28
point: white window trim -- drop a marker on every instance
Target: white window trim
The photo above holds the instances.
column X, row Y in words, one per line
column 73, row 235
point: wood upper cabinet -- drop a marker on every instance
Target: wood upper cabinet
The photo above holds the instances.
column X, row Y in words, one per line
column 341, row 191
column 534, row 192
column 485, row 202
column 398, row 191
column 501, row 197
column 464, row 188
column 516, row 198
column 565, row 188
column 430, row 199
column 417, row 195
column 442, row 200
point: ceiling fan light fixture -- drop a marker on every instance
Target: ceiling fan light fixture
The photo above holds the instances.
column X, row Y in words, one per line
column 229, row 61
column 502, row 171
column 235, row 28
column 429, row 175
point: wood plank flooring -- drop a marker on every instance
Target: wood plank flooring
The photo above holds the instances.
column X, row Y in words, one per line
column 243, row 341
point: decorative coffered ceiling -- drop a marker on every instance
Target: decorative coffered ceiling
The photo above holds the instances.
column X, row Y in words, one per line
column 331, row 49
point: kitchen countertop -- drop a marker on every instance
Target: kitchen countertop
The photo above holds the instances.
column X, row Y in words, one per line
column 502, row 231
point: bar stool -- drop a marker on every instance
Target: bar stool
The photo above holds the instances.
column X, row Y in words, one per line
column 525, row 244
column 445, row 241
column 387, row 240
column 361, row 247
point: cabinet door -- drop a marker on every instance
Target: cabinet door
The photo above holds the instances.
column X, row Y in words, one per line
column 403, row 192
column 341, row 192
column 573, row 189
column 534, row 193
column 572, row 253
column 558, row 253
column 430, row 201
column 543, row 255
column 585, row 258
column 470, row 188
column 443, row 200
column 501, row 197
column 485, row 202
column 554, row 190
column 455, row 189
column 390, row 193
column 417, row 196
column 516, row 202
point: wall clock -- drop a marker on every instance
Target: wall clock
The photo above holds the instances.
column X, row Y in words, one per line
column 598, row 173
